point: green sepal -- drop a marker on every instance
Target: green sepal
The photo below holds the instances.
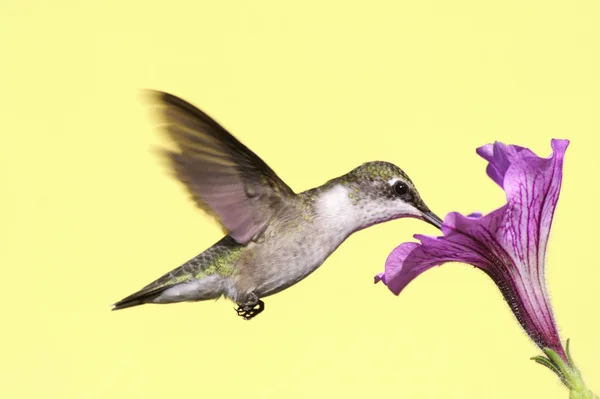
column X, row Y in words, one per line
column 548, row 363
column 568, row 373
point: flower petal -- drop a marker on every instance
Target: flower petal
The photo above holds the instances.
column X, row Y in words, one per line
column 532, row 187
column 500, row 156
column 405, row 263
column 409, row 260
column 498, row 163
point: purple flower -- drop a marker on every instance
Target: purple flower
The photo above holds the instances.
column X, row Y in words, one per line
column 508, row 244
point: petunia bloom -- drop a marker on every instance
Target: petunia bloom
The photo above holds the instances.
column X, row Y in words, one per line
column 508, row 244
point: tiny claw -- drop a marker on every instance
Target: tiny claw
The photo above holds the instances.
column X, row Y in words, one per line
column 250, row 308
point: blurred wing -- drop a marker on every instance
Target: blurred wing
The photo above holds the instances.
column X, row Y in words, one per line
column 220, row 172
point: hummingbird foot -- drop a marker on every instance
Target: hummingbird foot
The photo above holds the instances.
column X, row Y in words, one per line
column 251, row 307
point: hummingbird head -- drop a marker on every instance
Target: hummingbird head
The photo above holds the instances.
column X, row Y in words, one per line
column 376, row 192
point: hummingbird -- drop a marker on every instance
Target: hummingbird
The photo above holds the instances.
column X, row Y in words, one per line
column 275, row 237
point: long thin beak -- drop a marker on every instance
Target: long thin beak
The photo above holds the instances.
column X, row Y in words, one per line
column 432, row 219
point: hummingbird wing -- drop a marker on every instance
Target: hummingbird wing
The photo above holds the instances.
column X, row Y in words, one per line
column 224, row 177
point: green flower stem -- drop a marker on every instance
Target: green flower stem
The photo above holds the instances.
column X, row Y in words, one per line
column 568, row 373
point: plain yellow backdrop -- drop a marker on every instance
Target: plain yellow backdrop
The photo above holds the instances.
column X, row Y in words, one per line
column 89, row 215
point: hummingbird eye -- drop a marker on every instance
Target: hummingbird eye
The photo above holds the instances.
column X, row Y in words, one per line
column 400, row 188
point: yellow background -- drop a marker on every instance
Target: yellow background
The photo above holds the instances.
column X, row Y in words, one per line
column 89, row 215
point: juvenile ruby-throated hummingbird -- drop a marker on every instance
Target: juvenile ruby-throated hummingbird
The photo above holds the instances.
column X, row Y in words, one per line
column 275, row 237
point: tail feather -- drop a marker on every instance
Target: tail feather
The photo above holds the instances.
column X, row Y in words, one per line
column 139, row 298
column 126, row 304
